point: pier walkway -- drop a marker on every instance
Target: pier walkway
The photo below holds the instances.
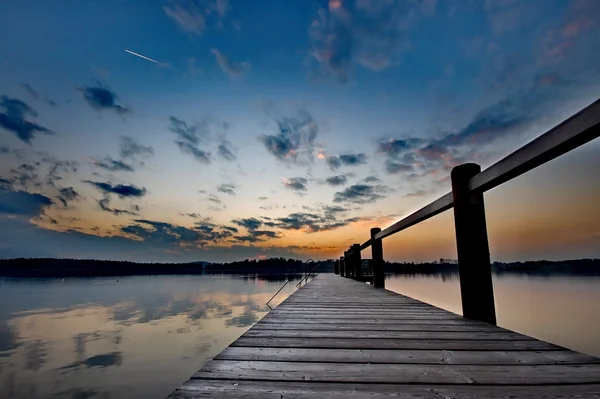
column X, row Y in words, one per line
column 340, row 338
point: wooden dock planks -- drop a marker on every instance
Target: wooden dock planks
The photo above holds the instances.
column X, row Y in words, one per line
column 339, row 338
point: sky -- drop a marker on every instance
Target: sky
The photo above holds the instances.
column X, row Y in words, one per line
column 218, row 130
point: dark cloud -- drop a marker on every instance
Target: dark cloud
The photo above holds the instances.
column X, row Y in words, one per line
column 67, row 194
column 101, row 98
column 294, row 141
column 339, row 180
column 189, row 138
column 122, row 190
column 333, row 162
column 31, row 91
column 105, row 206
column 353, row 159
column 170, row 234
column 14, row 119
column 231, row 68
column 22, row 203
column 249, row 224
column 296, row 183
column 346, row 159
column 113, row 165
column 129, row 148
column 263, row 198
column 225, row 150
column 230, row 228
column 367, row 33
column 372, row 179
column 361, row 194
column 226, row 188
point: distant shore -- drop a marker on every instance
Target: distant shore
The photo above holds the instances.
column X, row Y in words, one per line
column 50, row 267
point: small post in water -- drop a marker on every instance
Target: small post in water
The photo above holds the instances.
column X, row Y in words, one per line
column 377, row 260
column 476, row 289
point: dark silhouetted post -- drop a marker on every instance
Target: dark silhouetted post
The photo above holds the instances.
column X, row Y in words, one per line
column 377, row 260
column 346, row 264
column 358, row 274
column 336, row 266
column 342, row 266
column 476, row 290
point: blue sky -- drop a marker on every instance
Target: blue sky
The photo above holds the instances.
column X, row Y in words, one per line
column 281, row 128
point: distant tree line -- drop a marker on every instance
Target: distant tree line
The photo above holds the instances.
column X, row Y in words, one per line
column 50, row 267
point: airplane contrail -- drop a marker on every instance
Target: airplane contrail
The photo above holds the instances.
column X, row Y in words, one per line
column 142, row 56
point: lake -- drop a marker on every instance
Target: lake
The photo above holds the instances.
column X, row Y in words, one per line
column 141, row 337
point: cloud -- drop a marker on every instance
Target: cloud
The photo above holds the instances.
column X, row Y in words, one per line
column 295, row 139
column 263, row 198
column 14, row 119
column 189, row 138
column 231, row 68
column 345, row 159
column 122, row 190
column 395, row 167
column 101, row 98
column 366, row 33
column 167, row 233
column 226, row 188
column 129, row 148
column 22, row 203
column 67, row 194
column 31, row 91
column 372, row 179
column 296, row 183
column 113, row 165
column 339, row 180
column 361, row 194
column 105, row 206
column 225, row 151
column 249, row 223
column 191, row 15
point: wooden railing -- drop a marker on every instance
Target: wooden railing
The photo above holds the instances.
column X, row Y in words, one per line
column 468, row 185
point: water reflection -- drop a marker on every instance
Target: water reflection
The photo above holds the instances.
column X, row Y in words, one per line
column 135, row 337
column 560, row 308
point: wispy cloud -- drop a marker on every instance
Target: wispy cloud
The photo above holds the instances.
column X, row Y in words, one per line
column 192, row 15
column 231, row 68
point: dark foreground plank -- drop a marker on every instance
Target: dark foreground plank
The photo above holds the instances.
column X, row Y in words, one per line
column 338, row 338
column 406, row 356
column 227, row 389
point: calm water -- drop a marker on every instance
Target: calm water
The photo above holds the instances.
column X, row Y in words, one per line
column 140, row 337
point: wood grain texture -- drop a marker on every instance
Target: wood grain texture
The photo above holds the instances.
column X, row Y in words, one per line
column 228, row 389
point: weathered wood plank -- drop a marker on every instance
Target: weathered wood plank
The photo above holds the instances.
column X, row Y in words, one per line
column 406, row 356
column 228, row 389
column 402, row 373
column 421, row 344
column 445, row 335
column 370, row 327
column 371, row 321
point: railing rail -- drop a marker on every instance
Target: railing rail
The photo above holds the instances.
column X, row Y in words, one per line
column 291, row 278
column 468, row 185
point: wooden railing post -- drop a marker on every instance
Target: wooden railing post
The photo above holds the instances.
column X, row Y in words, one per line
column 377, row 260
column 358, row 274
column 336, row 266
column 346, row 263
column 476, row 290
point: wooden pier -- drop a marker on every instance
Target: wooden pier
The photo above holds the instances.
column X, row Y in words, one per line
column 340, row 338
